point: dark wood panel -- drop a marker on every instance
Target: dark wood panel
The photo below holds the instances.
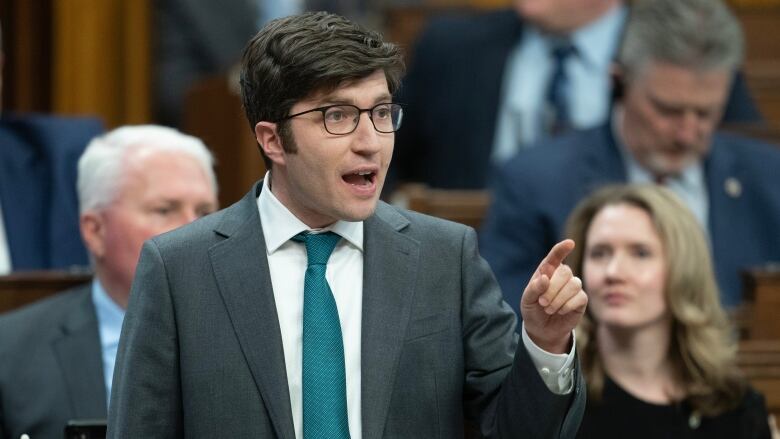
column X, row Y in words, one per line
column 213, row 112
column 19, row 289
column 462, row 206
column 28, row 55
column 762, row 297
column 759, row 360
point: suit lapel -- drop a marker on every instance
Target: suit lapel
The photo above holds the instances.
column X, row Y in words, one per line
column 389, row 272
column 79, row 356
column 245, row 286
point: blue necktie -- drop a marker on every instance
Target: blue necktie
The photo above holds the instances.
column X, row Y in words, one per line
column 558, row 90
column 324, row 378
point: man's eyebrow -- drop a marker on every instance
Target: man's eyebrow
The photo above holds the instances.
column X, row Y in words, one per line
column 673, row 106
column 384, row 98
column 660, row 102
column 340, row 100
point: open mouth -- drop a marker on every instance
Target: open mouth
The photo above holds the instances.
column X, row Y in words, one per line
column 360, row 178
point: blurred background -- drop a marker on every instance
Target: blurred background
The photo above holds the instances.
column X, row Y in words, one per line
column 140, row 61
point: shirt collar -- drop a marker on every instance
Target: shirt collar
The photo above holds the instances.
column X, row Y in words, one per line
column 280, row 225
column 109, row 315
column 597, row 41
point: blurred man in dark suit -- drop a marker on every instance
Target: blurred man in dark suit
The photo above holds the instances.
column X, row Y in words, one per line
column 675, row 67
column 38, row 208
column 482, row 87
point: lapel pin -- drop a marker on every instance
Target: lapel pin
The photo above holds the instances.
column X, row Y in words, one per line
column 733, row 187
column 694, row 421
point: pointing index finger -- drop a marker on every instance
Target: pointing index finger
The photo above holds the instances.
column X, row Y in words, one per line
column 556, row 256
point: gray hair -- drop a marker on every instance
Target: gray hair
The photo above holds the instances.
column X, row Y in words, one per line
column 697, row 34
column 101, row 166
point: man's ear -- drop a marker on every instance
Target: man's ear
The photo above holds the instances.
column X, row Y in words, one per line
column 267, row 136
column 93, row 233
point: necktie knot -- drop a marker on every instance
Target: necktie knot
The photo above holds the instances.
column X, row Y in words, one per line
column 563, row 50
column 319, row 246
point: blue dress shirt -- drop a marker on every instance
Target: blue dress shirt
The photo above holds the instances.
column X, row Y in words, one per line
column 110, row 317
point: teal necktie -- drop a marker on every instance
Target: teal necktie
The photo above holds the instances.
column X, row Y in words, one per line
column 324, row 379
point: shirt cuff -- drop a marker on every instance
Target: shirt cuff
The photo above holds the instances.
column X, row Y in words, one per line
column 555, row 369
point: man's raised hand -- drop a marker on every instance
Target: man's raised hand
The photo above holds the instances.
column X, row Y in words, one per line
column 553, row 302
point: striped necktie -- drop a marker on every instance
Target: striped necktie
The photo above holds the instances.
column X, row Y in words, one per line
column 558, row 91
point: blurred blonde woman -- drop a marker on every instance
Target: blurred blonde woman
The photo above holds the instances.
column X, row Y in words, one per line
column 657, row 349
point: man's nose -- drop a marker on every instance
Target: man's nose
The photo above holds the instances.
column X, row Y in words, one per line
column 366, row 136
column 688, row 128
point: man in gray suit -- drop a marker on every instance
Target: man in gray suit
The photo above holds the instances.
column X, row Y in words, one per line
column 311, row 310
column 58, row 354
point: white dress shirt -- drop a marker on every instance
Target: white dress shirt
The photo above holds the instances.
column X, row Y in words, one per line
column 287, row 264
column 521, row 117
column 5, row 252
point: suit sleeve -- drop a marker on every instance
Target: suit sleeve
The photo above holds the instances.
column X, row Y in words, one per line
column 146, row 391
column 503, row 389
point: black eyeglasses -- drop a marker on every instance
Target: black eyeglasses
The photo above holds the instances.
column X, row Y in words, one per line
column 344, row 118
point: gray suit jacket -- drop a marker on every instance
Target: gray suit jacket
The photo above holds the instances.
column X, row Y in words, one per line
column 201, row 350
column 51, row 368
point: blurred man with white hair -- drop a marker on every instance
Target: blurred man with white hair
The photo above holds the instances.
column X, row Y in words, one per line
column 133, row 183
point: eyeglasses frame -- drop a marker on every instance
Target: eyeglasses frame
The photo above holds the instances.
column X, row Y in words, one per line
column 325, row 108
